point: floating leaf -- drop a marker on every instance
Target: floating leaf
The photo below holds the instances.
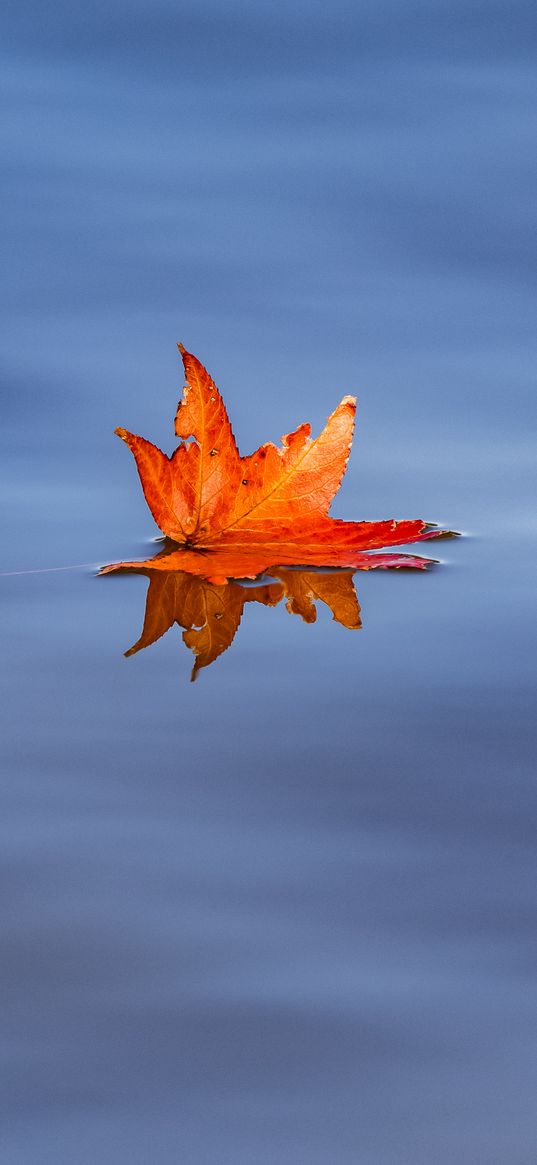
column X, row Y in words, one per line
column 228, row 516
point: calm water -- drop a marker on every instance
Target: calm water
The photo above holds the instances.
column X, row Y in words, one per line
column 286, row 914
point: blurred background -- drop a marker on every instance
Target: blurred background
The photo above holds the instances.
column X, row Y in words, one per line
column 286, row 914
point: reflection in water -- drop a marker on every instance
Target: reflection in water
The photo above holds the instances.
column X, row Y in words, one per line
column 204, row 594
column 210, row 613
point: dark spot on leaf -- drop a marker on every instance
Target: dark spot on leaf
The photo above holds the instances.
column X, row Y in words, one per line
column 245, row 481
column 213, row 453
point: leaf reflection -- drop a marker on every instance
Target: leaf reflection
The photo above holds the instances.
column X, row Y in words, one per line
column 209, row 613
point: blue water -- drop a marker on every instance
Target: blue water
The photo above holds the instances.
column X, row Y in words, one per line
column 286, row 914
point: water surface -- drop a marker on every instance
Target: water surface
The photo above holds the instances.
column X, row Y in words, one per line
column 285, row 914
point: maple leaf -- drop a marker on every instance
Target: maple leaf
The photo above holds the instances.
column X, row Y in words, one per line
column 206, row 490
column 210, row 613
column 241, row 562
column 229, row 516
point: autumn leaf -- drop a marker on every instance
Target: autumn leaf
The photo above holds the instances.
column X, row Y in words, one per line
column 209, row 614
column 226, row 562
column 231, row 517
column 206, row 490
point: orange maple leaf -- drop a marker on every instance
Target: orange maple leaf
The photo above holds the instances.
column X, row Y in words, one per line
column 228, row 516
